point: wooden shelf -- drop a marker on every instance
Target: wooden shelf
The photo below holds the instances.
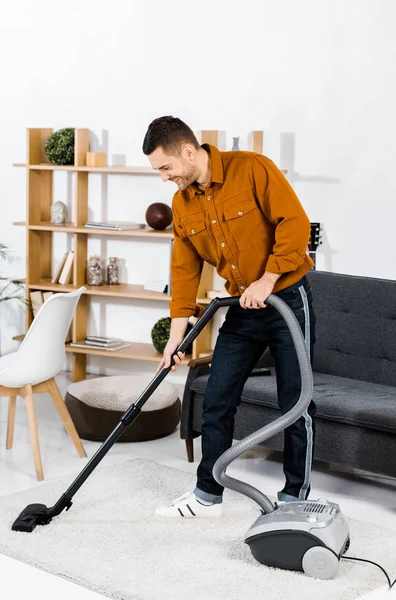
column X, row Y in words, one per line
column 72, row 228
column 123, row 290
column 120, row 170
column 136, row 351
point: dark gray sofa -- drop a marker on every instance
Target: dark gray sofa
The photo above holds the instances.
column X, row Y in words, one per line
column 354, row 378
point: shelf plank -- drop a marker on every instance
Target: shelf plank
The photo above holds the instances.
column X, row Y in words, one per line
column 117, row 169
column 123, row 290
column 136, row 351
column 71, row 228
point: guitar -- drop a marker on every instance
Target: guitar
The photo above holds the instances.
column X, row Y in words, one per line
column 315, row 239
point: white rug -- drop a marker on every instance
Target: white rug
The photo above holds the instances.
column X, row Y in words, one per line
column 110, row 542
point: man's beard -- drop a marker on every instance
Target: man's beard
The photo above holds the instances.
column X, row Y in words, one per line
column 190, row 175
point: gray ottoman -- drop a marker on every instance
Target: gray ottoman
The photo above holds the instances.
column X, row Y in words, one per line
column 97, row 405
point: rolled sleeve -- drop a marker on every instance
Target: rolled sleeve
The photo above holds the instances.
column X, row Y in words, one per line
column 283, row 209
column 186, row 269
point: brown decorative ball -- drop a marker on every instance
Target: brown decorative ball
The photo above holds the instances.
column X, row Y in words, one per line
column 159, row 215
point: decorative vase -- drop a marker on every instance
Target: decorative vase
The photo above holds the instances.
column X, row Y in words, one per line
column 94, row 271
column 113, row 271
column 235, row 143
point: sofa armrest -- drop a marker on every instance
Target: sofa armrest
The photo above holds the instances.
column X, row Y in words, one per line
column 187, row 409
column 200, row 362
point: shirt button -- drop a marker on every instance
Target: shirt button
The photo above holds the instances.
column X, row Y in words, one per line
column 242, row 287
column 233, row 267
column 214, row 221
column 192, row 231
column 240, row 212
column 222, row 244
column 209, row 198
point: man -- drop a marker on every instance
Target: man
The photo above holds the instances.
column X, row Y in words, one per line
column 236, row 211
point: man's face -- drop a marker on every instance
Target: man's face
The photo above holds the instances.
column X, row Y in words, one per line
column 182, row 169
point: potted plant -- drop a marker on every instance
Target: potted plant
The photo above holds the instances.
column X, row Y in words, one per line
column 10, row 289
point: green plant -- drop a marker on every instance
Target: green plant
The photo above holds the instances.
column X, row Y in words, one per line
column 160, row 334
column 10, row 289
column 60, row 147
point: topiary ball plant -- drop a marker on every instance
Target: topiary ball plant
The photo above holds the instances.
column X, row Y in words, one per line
column 160, row 334
column 60, row 147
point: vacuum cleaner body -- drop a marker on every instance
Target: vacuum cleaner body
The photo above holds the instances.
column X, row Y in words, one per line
column 308, row 536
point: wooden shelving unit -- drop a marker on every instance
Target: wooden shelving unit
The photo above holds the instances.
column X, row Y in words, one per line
column 39, row 232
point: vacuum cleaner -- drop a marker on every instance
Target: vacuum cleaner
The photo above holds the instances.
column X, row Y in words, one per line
column 307, row 536
column 304, row 535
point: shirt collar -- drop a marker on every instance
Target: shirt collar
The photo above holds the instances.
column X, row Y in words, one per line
column 217, row 168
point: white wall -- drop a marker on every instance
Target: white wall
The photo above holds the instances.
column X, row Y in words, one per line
column 318, row 77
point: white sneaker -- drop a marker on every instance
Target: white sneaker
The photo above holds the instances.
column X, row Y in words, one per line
column 189, row 506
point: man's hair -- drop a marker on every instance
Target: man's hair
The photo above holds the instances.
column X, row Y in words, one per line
column 169, row 133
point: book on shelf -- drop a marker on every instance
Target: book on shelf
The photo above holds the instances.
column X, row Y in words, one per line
column 47, row 295
column 156, row 286
column 106, row 340
column 36, row 301
column 67, row 272
column 114, row 225
column 103, row 342
column 112, row 348
column 59, row 269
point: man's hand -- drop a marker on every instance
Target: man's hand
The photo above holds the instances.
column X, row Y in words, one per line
column 255, row 295
column 178, row 329
column 168, row 353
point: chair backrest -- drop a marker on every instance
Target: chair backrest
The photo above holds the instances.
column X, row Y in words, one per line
column 355, row 326
column 42, row 352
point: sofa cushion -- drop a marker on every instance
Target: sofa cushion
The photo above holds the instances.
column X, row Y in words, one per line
column 340, row 399
column 355, row 326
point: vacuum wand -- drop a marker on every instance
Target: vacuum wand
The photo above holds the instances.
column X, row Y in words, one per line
column 39, row 514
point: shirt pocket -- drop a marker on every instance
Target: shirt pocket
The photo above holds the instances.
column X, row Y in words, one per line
column 197, row 233
column 245, row 222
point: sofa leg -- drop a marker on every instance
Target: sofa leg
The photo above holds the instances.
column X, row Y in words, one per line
column 190, row 450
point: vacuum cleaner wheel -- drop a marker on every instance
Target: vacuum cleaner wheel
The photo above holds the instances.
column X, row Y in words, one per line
column 320, row 562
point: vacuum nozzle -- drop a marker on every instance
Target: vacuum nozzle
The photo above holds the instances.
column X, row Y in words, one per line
column 32, row 515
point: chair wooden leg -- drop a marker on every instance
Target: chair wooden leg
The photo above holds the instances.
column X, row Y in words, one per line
column 11, row 422
column 190, row 450
column 27, row 394
column 65, row 416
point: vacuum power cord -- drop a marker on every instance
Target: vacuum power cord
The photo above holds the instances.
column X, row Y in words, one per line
column 372, row 563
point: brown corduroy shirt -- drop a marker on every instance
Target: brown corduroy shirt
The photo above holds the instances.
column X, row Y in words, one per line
column 247, row 221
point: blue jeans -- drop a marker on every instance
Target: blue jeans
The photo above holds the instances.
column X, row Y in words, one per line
column 242, row 339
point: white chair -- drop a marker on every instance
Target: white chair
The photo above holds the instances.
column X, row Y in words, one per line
column 32, row 369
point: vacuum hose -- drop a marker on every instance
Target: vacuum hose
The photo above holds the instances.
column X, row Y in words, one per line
column 279, row 424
